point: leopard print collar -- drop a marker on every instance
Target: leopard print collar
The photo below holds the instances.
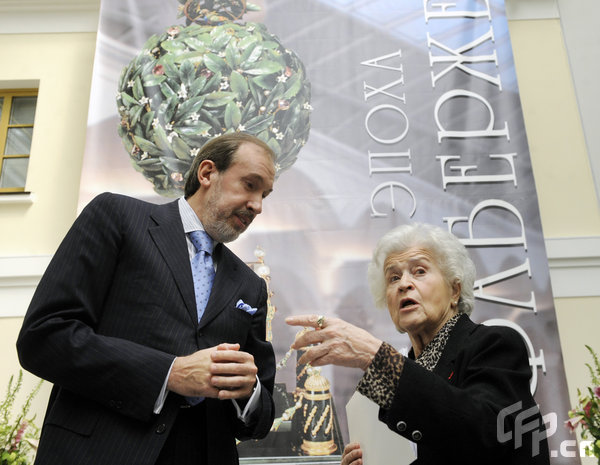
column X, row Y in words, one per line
column 430, row 356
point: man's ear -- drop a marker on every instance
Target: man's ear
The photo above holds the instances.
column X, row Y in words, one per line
column 205, row 170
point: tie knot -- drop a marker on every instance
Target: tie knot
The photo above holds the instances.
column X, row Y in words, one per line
column 202, row 241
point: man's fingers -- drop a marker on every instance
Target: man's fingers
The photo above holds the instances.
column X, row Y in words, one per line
column 227, row 346
column 231, row 356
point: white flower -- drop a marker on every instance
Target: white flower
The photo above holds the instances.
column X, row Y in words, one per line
column 274, row 130
column 194, row 152
column 224, row 85
column 279, row 136
column 277, row 167
column 130, row 84
column 155, row 122
column 182, row 94
column 238, row 103
column 144, row 100
column 205, row 133
column 169, row 127
column 241, row 128
column 122, row 109
column 250, row 28
column 195, row 117
column 307, row 106
column 144, row 155
column 221, row 54
column 281, row 78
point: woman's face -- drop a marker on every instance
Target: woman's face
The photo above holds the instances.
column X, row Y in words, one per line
column 418, row 297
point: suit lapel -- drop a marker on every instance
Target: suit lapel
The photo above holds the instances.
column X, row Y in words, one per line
column 170, row 240
column 225, row 286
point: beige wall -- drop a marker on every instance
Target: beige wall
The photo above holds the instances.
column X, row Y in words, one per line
column 562, row 173
column 63, row 65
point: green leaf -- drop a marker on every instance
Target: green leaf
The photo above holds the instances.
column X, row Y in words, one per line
column 194, row 58
column 215, row 63
column 220, row 37
column 181, row 149
column 258, row 123
column 266, row 82
column 274, row 146
column 146, row 146
column 195, row 129
column 166, row 90
column 275, row 94
column 173, row 46
column 293, row 86
column 233, row 116
column 187, row 73
column 244, row 43
column 251, row 55
column 151, row 80
column 148, row 162
column 271, row 45
column 211, row 119
column 219, row 99
column 197, row 86
column 138, row 89
column 147, row 120
column 168, row 62
column 239, row 85
column 128, row 100
column 257, row 93
column 160, row 139
column 174, row 164
column 196, row 44
column 189, row 107
column 134, row 114
column 232, row 55
column 249, row 109
column 152, row 42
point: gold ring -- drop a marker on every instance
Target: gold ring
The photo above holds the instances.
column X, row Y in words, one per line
column 321, row 321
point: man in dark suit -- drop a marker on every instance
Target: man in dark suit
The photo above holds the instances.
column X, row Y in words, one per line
column 115, row 326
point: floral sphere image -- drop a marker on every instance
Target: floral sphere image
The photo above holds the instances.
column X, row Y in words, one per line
column 211, row 77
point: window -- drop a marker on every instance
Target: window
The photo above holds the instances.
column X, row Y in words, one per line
column 17, row 112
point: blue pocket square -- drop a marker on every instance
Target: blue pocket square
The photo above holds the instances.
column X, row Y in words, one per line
column 247, row 308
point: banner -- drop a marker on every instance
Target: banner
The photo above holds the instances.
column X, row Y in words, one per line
column 381, row 113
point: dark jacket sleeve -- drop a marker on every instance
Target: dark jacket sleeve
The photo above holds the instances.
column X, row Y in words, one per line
column 455, row 413
column 59, row 340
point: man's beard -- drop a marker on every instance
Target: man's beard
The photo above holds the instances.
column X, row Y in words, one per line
column 217, row 225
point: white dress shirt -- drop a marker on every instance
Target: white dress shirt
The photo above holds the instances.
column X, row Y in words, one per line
column 191, row 222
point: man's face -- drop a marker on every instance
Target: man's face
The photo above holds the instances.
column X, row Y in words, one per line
column 235, row 195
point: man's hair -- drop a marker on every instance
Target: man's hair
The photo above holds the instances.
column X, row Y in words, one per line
column 221, row 151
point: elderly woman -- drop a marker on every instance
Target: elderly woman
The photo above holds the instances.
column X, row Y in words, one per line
column 461, row 388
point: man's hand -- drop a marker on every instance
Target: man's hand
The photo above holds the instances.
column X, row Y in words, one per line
column 222, row 372
column 233, row 372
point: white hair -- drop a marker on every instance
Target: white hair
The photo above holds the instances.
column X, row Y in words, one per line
column 449, row 253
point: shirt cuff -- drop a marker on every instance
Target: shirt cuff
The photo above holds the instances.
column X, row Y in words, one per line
column 251, row 405
column 382, row 376
column 162, row 395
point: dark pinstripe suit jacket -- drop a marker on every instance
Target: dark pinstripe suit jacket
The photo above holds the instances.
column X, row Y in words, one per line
column 113, row 309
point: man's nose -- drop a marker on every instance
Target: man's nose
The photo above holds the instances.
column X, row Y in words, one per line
column 255, row 204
